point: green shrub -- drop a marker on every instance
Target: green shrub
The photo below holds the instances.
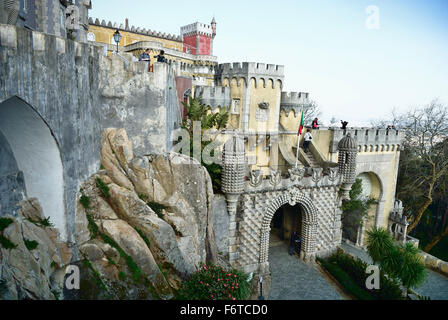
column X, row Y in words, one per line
column 356, row 269
column 346, row 281
column 4, row 223
column 42, row 222
column 30, row 244
column 92, row 226
column 215, row 283
column 103, row 187
column 6, row 243
column 46, row 222
column 85, row 201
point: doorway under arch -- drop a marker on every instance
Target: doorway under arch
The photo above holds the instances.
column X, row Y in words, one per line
column 36, row 155
column 286, row 221
column 308, row 226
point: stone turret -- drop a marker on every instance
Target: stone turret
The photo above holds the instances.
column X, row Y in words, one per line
column 9, row 12
column 233, row 169
column 347, row 163
column 233, row 162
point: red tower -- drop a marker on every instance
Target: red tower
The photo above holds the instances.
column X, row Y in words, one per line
column 198, row 38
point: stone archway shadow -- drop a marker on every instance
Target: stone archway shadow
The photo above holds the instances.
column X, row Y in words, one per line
column 37, row 155
column 309, row 226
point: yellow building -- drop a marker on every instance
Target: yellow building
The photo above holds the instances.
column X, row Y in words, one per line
column 200, row 68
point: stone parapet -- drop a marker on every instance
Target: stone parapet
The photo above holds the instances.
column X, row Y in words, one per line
column 369, row 139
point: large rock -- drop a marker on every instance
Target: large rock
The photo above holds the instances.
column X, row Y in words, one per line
column 32, row 273
column 132, row 244
column 178, row 188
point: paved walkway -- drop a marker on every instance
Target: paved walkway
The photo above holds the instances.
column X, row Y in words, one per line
column 292, row 279
column 435, row 286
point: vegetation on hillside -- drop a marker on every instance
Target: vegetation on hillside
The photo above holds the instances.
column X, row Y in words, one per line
column 354, row 211
column 196, row 111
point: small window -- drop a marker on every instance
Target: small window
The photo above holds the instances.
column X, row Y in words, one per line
column 236, row 106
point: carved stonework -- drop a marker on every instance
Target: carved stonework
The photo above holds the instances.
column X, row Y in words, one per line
column 296, row 174
column 317, row 174
column 275, row 178
column 263, row 105
column 256, row 178
column 333, row 173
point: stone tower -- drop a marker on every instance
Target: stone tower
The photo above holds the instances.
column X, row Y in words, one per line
column 233, row 169
column 198, row 38
column 347, row 163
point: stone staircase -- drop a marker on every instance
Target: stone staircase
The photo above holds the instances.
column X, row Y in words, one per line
column 313, row 162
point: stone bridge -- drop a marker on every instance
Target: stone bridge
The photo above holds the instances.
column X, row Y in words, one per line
column 56, row 97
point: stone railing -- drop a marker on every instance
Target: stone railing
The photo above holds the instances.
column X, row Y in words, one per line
column 154, row 45
column 434, row 263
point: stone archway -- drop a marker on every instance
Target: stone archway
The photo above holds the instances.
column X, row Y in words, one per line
column 34, row 153
column 309, row 226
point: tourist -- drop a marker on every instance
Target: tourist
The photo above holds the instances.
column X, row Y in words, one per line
column 306, row 140
column 292, row 242
column 161, row 56
column 315, row 125
column 145, row 56
column 344, row 125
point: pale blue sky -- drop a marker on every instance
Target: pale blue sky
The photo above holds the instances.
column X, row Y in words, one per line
column 352, row 72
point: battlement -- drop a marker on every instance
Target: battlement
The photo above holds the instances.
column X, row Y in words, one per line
column 294, row 98
column 370, row 139
column 196, row 28
column 250, row 68
column 213, row 96
column 133, row 29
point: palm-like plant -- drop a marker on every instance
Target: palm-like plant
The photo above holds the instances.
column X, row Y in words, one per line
column 412, row 271
column 379, row 244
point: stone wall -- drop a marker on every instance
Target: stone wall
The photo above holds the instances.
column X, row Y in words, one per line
column 77, row 92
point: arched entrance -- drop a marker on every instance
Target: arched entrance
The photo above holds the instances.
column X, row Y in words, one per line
column 286, row 221
column 33, row 153
column 308, row 226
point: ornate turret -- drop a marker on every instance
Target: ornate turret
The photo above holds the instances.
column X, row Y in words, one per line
column 347, row 163
column 233, row 163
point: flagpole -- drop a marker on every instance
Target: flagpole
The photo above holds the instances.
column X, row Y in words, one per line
column 298, row 140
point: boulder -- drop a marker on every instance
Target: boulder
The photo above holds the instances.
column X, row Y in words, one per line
column 133, row 245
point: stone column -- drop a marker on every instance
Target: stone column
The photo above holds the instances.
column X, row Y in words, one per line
column 232, row 202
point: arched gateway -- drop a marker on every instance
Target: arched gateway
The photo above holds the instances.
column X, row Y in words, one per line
column 253, row 201
column 309, row 226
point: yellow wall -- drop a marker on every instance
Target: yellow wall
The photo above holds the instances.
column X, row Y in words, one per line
column 105, row 35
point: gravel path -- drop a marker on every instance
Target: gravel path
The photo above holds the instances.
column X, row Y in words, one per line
column 292, row 279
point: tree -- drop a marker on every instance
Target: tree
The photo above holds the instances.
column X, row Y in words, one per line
column 379, row 244
column 196, row 111
column 310, row 111
column 355, row 210
column 424, row 158
column 401, row 262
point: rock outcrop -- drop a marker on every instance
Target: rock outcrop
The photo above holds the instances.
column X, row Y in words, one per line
column 32, row 257
column 151, row 215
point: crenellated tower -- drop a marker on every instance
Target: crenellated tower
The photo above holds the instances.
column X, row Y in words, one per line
column 198, row 38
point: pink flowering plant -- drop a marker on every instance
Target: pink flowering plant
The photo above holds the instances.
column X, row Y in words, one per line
column 213, row 282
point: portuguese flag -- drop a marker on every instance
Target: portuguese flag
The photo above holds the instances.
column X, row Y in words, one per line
column 300, row 126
